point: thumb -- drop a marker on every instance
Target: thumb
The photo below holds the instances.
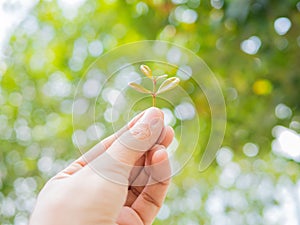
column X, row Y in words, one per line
column 118, row 160
column 131, row 145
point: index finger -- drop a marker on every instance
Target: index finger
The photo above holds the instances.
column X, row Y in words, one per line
column 151, row 199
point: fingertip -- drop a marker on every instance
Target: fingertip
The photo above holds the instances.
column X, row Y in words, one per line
column 159, row 156
column 151, row 152
column 171, row 129
column 170, row 132
column 160, row 167
column 167, row 136
column 157, row 111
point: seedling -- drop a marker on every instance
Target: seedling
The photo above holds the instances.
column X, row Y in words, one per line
column 166, row 85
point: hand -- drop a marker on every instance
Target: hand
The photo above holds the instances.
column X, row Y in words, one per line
column 122, row 180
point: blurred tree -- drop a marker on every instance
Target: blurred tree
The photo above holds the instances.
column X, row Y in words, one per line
column 253, row 46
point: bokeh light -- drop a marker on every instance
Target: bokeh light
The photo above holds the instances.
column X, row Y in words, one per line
column 46, row 47
column 251, row 45
column 282, row 25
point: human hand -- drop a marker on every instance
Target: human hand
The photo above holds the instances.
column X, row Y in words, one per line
column 122, row 180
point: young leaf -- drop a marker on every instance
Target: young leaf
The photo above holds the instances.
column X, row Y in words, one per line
column 146, row 70
column 168, row 84
column 139, row 88
column 161, row 77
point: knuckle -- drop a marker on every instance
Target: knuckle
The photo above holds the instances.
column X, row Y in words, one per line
column 147, row 197
column 135, row 191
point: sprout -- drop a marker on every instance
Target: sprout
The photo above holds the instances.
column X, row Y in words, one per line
column 147, row 71
column 166, row 85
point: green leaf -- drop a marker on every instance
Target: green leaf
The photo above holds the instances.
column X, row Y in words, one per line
column 139, row 88
column 168, row 84
column 146, row 70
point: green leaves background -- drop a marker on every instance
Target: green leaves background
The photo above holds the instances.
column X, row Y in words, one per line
column 54, row 45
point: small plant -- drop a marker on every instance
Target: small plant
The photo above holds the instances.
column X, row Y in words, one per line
column 166, row 85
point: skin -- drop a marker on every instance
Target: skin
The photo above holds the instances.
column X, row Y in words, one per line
column 122, row 180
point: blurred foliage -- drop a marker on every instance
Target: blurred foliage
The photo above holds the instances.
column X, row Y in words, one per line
column 254, row 54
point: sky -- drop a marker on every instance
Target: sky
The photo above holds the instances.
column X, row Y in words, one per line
column 12, row 12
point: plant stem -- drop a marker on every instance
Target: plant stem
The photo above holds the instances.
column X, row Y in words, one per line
column 154, row 92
